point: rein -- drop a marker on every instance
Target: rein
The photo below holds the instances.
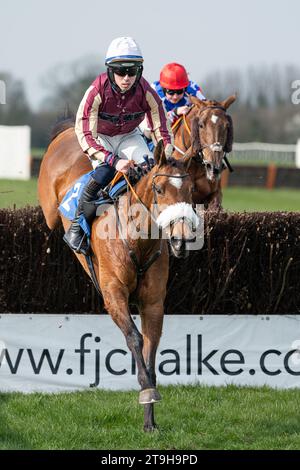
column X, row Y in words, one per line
column 140, row 270
column 176, row 126
column 215, row 147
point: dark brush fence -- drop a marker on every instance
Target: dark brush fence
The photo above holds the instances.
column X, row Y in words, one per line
column 250, row 263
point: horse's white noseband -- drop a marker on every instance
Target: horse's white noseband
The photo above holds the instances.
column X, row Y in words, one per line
column 180, row 210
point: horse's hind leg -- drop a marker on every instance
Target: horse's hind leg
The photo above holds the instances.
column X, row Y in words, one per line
column 152, row 320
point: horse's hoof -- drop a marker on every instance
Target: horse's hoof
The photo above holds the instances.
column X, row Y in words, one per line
column 149, row 395
column 152, row 428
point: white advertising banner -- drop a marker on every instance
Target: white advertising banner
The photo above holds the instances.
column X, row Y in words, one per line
column 15, row 152
column 52, row 353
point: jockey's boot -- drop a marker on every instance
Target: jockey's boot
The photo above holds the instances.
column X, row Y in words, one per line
column 75, row 236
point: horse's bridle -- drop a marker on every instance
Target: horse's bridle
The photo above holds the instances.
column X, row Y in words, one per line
column 155, row 188
column 215, row 147
column 140, row 270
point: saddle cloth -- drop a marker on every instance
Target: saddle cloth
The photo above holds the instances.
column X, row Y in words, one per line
column 69, row 203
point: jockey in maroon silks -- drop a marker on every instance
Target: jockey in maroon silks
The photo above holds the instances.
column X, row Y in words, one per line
column 107, row 124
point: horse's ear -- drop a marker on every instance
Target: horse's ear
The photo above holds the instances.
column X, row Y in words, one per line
column 159, row 154
column 194, row 100
column 228, row 102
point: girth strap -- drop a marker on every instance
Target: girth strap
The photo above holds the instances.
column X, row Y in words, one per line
column 142, row 269
column 90, row 264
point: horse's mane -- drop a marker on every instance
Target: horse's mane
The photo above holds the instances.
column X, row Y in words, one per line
column 174, row 162
column 209, row 102
column 63, row 122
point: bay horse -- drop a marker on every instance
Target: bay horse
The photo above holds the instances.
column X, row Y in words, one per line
column 134, row 267
column 205, row 132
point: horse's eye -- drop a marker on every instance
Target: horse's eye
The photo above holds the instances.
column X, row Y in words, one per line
column 159, row 189
column 201, row 125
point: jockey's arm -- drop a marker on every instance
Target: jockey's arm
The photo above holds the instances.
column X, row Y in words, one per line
column 86, row 128
column 158, row 121
column 195, row 90
column 172, row 116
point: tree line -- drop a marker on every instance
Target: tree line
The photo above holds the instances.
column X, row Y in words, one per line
column 264, row 110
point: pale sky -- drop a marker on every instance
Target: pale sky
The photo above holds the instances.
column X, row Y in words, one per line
column 203, row 35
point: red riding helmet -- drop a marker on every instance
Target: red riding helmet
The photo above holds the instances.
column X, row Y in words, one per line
column 173, row 77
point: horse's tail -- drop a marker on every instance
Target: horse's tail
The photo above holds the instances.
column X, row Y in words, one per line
column 63, row 122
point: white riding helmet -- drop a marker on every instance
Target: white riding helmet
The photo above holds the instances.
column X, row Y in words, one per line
column 123, row 49
column 124, row 52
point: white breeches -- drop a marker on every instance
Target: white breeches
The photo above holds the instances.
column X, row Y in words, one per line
column 131, row 146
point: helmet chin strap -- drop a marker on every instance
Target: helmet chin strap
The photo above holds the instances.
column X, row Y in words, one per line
column 111, row 78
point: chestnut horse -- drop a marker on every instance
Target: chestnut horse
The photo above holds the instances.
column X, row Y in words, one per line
column 206, row 132
column 133, row 267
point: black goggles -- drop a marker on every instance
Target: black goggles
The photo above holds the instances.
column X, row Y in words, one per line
column 123, row 71
column 175, row 92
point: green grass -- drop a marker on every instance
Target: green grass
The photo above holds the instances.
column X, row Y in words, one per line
column 37, row 152
column 189, row 417
column 18, row 193
column 256, row 199
column 21, row 193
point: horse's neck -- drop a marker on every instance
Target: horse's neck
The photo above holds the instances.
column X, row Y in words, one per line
column 186, row 122
column 198, row 171
column 189, row 118
column 143, row 197
column 143, row 190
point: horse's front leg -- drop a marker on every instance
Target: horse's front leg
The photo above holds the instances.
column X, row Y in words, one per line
column 152, row 321
column 214, row 201
column 116, row 302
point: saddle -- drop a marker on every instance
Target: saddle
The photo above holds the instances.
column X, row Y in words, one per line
column 108, row 195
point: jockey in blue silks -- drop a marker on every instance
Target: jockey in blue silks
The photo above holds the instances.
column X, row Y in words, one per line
column 173, row 88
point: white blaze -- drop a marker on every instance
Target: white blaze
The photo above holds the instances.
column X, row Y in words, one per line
column 214, row 118
column 177, row 182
